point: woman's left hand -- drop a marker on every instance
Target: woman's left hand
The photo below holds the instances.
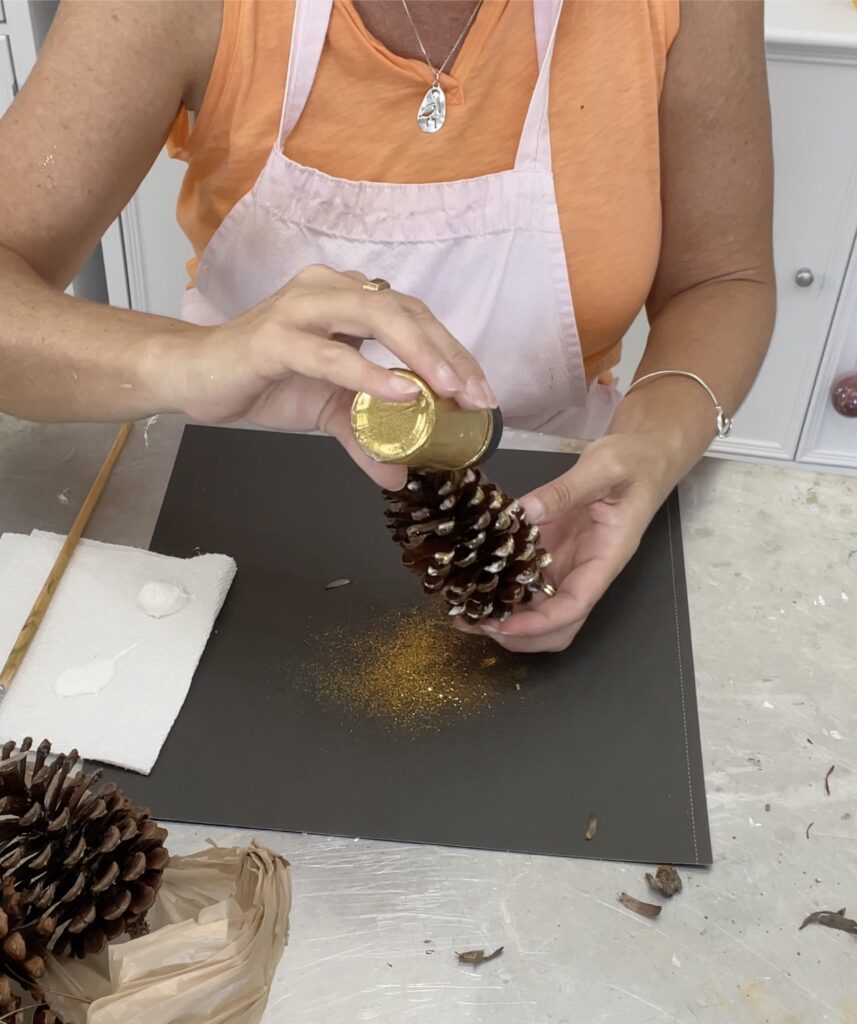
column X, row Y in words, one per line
column 592, row 519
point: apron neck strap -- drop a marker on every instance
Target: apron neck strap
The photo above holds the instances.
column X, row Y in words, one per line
column 534, row 151
column 309, row 31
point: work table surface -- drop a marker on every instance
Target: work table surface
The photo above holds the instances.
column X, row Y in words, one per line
column 772, row 572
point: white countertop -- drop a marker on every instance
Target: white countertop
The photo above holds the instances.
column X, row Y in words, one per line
column 822, row 23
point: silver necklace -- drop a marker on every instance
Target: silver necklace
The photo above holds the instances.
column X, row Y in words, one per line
column 432, row 112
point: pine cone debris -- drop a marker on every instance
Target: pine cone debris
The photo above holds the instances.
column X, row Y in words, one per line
column 469, row 541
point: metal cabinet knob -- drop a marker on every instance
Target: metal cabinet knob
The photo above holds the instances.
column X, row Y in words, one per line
column 844, row 396
column 804, row 277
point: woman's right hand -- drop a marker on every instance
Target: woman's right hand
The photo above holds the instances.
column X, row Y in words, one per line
column 289, row 363
column 292, row 362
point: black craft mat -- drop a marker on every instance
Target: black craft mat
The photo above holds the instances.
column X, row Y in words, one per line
column 609, row 728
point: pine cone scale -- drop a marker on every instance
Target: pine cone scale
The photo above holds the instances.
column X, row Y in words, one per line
column 12, row 773
column 35, row 967
column 143, row 899
column 136, row 867
column 47, row 898
column 75, row 855
column 107, row 879
column 157, row 858
column 117, row 906
column 14, row 947
column 83, row 920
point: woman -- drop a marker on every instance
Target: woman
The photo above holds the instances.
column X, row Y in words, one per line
column 416, row 141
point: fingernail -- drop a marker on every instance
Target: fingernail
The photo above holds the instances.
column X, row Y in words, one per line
column 404, row 386
column 534, row 510
column 448, row 378
column 476, row 393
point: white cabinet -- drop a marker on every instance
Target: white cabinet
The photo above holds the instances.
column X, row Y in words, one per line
column 19, row 23
column 830, row 438
column 155, row 246
column 812, row 73
column 815, row 222
column 7, row 74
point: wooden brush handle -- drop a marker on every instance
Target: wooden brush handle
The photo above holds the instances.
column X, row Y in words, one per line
column 37, row 613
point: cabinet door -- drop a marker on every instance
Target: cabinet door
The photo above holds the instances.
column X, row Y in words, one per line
column 815, row 218
column 830, row 438
column 155, row 247
column 7, row 75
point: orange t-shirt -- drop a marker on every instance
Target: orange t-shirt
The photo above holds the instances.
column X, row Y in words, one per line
column 360, row 123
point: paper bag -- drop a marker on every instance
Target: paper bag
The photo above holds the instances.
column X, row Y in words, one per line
column 218, row 930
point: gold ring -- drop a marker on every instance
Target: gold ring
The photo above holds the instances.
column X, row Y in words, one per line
column 377, row 284
column 549, row 589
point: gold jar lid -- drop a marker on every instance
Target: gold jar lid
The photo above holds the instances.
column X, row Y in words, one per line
column 426, row 431
column 394, row 431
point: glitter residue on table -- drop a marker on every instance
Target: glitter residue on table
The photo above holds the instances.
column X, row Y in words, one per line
column 415, row 671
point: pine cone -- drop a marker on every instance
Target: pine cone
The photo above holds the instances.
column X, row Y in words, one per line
column 468, row 540
column 22, row 960
column 79, row 867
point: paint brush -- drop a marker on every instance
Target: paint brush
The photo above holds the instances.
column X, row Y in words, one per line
column 40, row 607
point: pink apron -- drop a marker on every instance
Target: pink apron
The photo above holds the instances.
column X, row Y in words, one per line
column 486, row 254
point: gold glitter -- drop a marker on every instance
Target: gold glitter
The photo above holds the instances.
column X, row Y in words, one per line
column 394, row 431
column 414, row 672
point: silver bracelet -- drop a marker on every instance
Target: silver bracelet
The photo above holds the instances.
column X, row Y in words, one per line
column 724, row 422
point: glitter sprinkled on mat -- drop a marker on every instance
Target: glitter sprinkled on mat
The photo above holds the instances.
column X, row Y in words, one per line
column 415, row 672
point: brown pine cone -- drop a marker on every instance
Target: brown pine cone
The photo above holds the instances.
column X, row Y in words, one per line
column 79, row 866
column 469, row 541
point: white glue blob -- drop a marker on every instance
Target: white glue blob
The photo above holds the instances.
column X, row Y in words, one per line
column 88, row 678
column 160, row 598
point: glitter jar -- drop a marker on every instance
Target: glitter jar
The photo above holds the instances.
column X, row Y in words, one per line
column 426, row 432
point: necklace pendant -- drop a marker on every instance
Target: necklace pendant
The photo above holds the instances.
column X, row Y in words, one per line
column 432, row 112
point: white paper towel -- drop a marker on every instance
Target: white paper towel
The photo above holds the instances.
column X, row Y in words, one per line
column 94, row 614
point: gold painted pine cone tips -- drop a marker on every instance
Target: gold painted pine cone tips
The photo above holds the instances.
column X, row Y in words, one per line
column 78, row 866
column 469, row 541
